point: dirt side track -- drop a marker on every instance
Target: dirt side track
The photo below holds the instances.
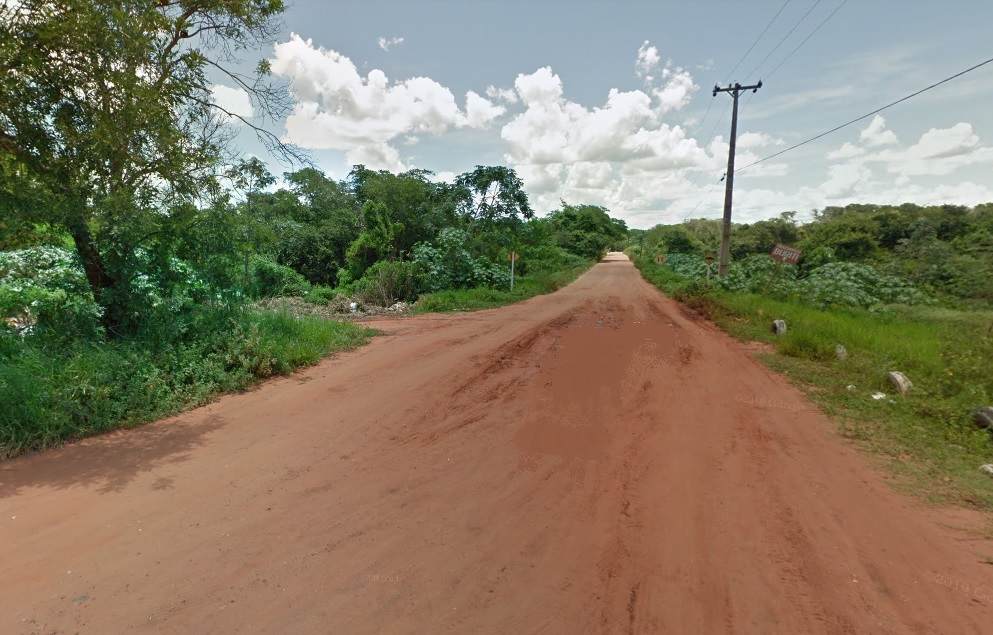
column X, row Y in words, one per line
column 591, row 461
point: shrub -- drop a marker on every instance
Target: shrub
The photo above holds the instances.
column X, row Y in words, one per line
column 270, row 279
column 47, row 284
column 320, row 294
column 387, row 282
column 50, row 395
column 548, row 258
column 830, row 285
column 448, row 264
column 851, row 284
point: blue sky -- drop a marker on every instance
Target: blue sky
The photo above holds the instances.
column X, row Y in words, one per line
column 610, row 102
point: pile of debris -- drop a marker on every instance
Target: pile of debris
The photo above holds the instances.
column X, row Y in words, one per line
column 339, row 308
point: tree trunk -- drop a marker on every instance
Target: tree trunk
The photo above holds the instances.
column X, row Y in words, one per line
column 101, row 283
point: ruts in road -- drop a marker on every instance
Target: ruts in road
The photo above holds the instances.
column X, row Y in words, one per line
column 596, row 460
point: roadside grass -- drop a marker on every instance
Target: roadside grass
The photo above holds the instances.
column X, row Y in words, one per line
column 927, row 437
column 51, row 394
column 525, row 287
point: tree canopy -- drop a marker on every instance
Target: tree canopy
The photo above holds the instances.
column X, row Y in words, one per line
column 107, row 117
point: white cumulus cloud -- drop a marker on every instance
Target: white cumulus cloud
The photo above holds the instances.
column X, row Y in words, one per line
column 757, row 140
column 676, row 90
column 507, row 95
column 479, row 111
column 338, row 108
column 621, row 154
column 233, row 100
column 648, row 60
column 940, row 151
column 553, row 129
column 876, row 133
column 846, row 151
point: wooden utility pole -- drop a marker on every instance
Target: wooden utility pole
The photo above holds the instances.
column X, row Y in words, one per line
column 734, row 91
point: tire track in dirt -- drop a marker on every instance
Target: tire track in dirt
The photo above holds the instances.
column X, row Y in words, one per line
column 575, row 463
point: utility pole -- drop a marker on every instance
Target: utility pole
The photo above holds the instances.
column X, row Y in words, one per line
column 734, row 91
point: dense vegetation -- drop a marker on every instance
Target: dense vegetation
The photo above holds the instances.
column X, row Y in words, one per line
column 133, row 240
column 872, row 254
column 901, row 288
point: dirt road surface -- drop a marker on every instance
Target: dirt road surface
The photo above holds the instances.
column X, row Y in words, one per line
column 591, row 461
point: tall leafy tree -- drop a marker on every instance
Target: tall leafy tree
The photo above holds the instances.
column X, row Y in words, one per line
column 106, row 108
column 410, row 199
column 586, row 230
column 493, row 195
column 493, row 205
column 250, row 176
column 317, row 229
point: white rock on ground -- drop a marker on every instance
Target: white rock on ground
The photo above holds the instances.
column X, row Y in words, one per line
column 900, row 382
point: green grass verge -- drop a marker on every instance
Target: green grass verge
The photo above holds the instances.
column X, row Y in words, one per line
column 486, row 298
column 926, row 437
column 51, row 395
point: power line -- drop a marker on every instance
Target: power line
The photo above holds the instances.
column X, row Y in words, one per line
column 793, row 52
column 867, row 115
column 696, row 128
column 807, row 38
column 755, row 42
column 776, row 48
column 702, row 199
column 719, row 120
column 704, row 146
column 743, row 57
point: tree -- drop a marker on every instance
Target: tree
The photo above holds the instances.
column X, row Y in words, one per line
column 760, row 237
column 671, row 239
column 586, row 230
column 492, row 196
column 252, row 176
column 493, row 206
column 317, row 228
column 378, row 241
column 106, row 107
column 410, row 199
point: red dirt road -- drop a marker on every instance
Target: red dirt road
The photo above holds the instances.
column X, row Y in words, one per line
column 592, row 461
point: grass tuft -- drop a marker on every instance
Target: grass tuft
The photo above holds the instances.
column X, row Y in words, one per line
column 927, row 436
column 538, row 283
column 52, row 395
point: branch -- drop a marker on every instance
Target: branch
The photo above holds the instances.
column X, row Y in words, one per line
column 285, row 151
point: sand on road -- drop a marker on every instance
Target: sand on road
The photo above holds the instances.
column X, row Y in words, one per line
column 590, row 461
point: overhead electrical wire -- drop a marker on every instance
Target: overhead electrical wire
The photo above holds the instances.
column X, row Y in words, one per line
column 702, row 199
column 776, row 48
column 696, row 128
column 714, row 130
column 793, row 52
column 724, row 112
column 867, row 115
column 743, row 57
column 806, row 38
column 755, row 42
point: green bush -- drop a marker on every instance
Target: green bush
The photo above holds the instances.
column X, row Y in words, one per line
column 835, row 284
column 270, row 279
column 387, row 282
column 46, row 284
column 448, row 264
column 546, row 258
column 320, row 294
column 52, row 395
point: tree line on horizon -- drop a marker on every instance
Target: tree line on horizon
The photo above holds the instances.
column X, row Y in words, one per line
column 945, row 250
